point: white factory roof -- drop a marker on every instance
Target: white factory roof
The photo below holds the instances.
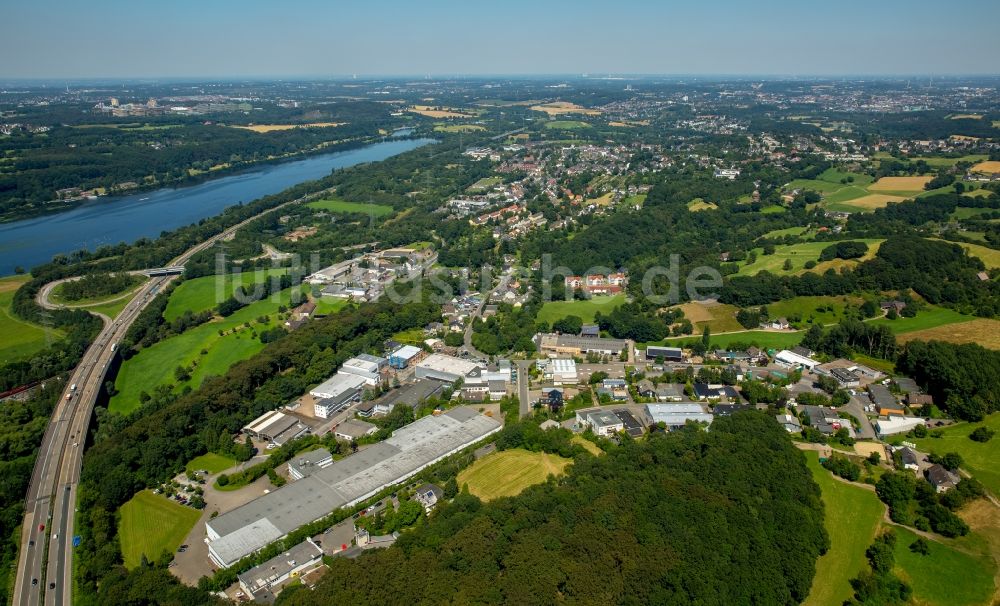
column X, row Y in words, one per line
column 448, row 364
column 406, row 352
column 345, row 482
column 265, row 420
column 794, row 359
column 678, row 413
column 336, row 385
column 895, row 424
column 360, row 364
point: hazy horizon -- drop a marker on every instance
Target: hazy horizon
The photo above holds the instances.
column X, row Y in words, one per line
column 309, row 39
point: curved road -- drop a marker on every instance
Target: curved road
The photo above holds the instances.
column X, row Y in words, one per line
column 45, row 564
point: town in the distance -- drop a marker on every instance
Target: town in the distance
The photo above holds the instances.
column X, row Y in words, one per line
column 500, row 340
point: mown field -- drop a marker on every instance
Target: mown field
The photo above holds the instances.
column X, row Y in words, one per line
column 152, row 524
column 699, row 204
column 507, row 473
column 989, row 256
column 852, row 517
column 201, row 347
column 582, row 308
column 929, row 317
column 20, row 339
column 343, row 206
column 458, row 128
column 719, row 317
column 210, row 462
column 566, row 124
column 200, row 294
column 982, row 460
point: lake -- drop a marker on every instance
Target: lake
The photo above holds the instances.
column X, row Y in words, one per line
column 111, row 220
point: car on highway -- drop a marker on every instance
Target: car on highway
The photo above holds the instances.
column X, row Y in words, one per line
column 41, row 527
column 72, row 387
column 34, row 581
column 52, row 585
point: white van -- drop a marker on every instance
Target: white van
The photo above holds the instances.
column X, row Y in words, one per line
column 72, row 387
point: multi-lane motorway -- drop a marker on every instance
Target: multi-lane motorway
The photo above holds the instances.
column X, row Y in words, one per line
column 44, row 573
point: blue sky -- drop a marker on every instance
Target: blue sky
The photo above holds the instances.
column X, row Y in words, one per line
column 181, row 38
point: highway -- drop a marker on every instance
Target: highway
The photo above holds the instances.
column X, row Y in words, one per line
column 45, row 564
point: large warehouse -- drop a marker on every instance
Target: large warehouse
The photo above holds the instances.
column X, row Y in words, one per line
column 347, row 482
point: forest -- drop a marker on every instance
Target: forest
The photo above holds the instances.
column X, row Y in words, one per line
column 629, row 527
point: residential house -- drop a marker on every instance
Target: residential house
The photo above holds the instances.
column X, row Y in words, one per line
column 789, row 422
column 940, row 478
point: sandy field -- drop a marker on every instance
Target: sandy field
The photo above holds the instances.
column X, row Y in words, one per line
column 983, row 331
column 873, row 201
column 990, row 166
column 898, row 184
column 439, row 112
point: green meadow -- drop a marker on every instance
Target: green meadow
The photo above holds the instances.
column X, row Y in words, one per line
column 20, row 339
column 343, row 206
column 204, row 293
column 583, row 308
column 979, row 458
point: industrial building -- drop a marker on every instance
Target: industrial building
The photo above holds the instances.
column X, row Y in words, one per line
column 346, row 482
column 308, row 462
column 560, row 371
column 444, row 368
column 668, row 354
column 601, row 422
column 411, row 394
column 677, row 415
column 365, row 366
column 402, row 357
column 337, row 385
column 327, row 407
column 352, row 429
column 790, row 359
column 259, row 580
column 572, row 345
column 276, row 427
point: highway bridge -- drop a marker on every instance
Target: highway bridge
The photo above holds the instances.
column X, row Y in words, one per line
column 45, row 564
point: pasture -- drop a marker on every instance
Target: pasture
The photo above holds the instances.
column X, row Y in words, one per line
column 989, row 256
column 699, row 204
column 566, row 124
column 864, row 203
column 210, row 462
column 852, row 517
column 983, row 331
column 979, row 458
column 458, row 128
column 808, row 308
column 508, row 472
column 582, row 308
column 798, row 255
column 946, row 576
column 719, row 317
column 199, row 294
column 558, row 108
column 21, row 339
column 152, row 524
column 201, row 349
column 343, row 206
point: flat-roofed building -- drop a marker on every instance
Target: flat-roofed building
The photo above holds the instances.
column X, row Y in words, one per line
column 402, row 357
column 411, row 394
column 306, row 463
column 790, row 359
column 601, row 422
column 444, row 368
column 560, row 371
column 354, row 429
column 345, row 483
column 668, row 354
column 337, row 385
column 677, row 415
column 263, row 578
column 365, row 366
column 327, row 407
column 276, row 427
column 894, row 424
column 573, row 345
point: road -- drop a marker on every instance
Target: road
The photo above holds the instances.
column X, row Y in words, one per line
column 469, row 347
column 45, row 564
column 856, row 409
column 523, row 371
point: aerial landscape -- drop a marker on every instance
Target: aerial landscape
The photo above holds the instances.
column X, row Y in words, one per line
column 439, row 303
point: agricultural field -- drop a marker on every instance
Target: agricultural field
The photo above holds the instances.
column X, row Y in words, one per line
column 507, row 473
column 939, row 162
column 989, row 256
column 719, row 317
column 799, row 254
column 900, row 184
column 699, row 204
column 864, row 203
column 20, row 339
column 458, row 128
column 852, row 517
column 985, row 332
column 566, row 124
column 200, row 294
column 152, row 524
column 327, row 305
column 210, row 462
column 965, row 212
column 980, row 458
column 440, row 112
column 558, row 108
column 201, row 349
column 929, row 317
column 270, row 128
column 765, row 339
column 582, row 308
column 343, row 206
column 788, row 231
column 946, row 576
column 807, row 308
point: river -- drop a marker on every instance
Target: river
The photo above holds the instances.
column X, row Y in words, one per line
column 111, row 220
